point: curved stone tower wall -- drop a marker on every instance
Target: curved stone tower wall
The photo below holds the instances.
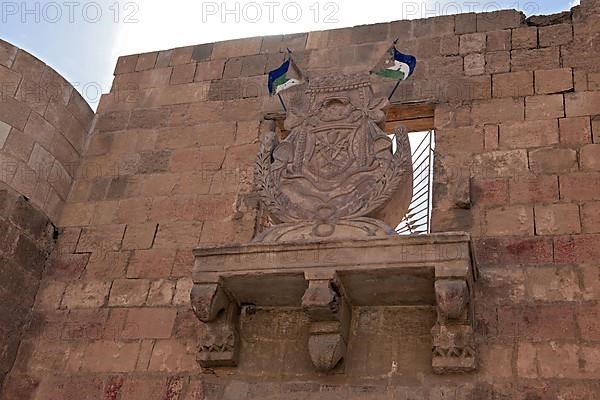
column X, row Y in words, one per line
column 43, row 132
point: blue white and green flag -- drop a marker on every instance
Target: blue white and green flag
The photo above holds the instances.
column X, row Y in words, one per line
column 285, row 77
column 395, row 65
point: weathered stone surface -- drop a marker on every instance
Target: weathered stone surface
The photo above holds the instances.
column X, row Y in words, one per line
column 575, row 131
column 498, row 110
column 499, row 40
column 529, row 189
column 539, row 133
column 139, row 236
column 25, row 245
column 465, row 23
column 580, row 186
column 553, row 160
column 524, row 38
column 497, row 62
column 501, row 19
column 91, row 294
column 126, row 64
column 202, row 52
column 182, row 55
column 183, row 74
column 544, row 107
column 553, row 81
column 513, row 84
column 146, row 61
column 472, row 43
column 557, row 219
column 590, row 157
column 474, row 64
column 508, row 221
column 582, row 104
column 161, row 293
column 531, row 59
column 513, row 251
column 554, row 35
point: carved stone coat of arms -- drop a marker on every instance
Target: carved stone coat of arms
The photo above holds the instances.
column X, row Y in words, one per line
column 336, row 167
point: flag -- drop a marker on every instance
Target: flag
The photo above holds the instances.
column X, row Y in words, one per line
column 284, row 77
column 395, row 65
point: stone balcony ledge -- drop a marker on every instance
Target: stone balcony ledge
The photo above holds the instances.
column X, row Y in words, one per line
column 326, row 279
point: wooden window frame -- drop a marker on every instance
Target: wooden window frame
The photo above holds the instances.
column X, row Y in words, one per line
column 416, row 117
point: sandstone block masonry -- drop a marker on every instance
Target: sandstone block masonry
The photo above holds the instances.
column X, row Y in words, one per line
column 26, row 240
column 169, row 167
column 44, row 126
column 43, row 130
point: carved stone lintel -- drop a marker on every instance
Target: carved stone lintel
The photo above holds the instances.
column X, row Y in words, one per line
column 220, row 345
column 453, row 345
column 330, row 316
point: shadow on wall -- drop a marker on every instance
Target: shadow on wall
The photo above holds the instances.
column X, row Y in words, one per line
column 44, row 125
column 26, row 241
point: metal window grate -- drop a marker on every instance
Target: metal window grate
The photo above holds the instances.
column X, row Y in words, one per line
column 418, row 219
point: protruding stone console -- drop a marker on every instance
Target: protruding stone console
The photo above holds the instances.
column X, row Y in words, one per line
column 453, row 346
column 213, row 306
column 326, row 279
column 327, row 307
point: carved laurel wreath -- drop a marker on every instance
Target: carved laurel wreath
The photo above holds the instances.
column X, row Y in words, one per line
column 391, row 178
column 269, row 195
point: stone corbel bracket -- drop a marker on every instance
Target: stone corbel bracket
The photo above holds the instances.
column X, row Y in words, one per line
column 213, row 306
column 453, row 344
column 327, row 307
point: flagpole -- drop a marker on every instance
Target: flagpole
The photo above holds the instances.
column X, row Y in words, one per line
column 397, row 83
column 278, row 95
column 394, row 91
column 282, row 103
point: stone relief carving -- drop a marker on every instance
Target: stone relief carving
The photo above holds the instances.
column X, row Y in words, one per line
column 335, row 167
column 220, row 345
column 453, row 346
column 330, row 315
column 322, row 184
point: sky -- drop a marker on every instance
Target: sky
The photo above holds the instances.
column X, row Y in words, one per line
column 82, row 39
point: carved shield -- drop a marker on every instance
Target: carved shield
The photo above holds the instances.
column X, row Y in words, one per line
column 329, row 152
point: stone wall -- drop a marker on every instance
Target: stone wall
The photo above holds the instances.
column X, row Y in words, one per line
column 43, row 131
column 26, row 240
column 169, row 168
